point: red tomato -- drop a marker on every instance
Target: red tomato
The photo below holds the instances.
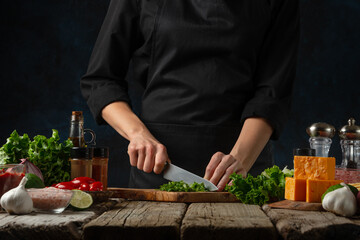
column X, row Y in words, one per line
column 84, row 187
column 65, row 185
column 76, row 183
column 96, row 186
column 80, row 180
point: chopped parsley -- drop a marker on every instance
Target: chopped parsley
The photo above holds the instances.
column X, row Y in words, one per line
column 183, row 187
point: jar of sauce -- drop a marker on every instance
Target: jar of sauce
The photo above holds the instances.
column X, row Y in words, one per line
column 81, row 162
column 100, row 165
column 10, row 176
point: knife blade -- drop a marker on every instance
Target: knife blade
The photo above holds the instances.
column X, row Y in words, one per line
column 176, row 174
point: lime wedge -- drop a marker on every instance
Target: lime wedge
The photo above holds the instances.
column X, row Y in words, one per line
column 81, row 200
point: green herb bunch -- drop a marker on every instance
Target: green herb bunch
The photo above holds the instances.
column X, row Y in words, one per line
column 48, row 154
column 269, row 185
column 183, row 187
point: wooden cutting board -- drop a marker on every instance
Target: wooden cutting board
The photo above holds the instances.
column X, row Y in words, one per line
column 297, row 205
column 163, row 196
column 193, row 197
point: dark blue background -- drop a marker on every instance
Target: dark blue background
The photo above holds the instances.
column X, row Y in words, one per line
column 46, row 45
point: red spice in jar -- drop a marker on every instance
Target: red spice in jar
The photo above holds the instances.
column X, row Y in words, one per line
column 100, row 165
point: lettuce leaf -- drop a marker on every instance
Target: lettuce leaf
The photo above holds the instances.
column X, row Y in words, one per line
column 269, row 185
column 48, row 154
column 51, row 157
column 15, row 148
column 248, row 190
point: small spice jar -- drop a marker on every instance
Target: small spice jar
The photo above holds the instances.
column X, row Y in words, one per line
column 100, row 165
column 304, row 152
column 81, row 162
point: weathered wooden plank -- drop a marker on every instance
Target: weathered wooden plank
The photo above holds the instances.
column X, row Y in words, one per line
column 138, row 220
column 297, row 205
column 356, row 219
column 226, row 221
column 293, row 224
column 67, row 225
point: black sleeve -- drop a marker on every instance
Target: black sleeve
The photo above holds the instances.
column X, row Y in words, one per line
column 275, row 72
column 104, row 81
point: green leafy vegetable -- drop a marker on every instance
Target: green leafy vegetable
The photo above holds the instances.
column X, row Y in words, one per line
column 269, row 185
column 15, row 148
column 48, row 154
column 183, row 187
column 51, row 157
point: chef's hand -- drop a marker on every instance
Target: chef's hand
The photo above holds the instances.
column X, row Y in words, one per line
column 220, row 167
column 147, row 154
column 254, row 135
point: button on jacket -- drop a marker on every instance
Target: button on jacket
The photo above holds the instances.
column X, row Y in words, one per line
column 201, row 63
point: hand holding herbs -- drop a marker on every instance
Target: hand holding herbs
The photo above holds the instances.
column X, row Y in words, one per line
column 48, row 154
column 183, row 187
column 269, row 185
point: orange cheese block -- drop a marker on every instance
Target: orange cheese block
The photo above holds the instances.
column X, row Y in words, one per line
column 295, row 189
column 316, row 188
column 318, row 168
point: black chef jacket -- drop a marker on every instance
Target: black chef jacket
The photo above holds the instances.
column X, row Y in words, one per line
column 205, row 66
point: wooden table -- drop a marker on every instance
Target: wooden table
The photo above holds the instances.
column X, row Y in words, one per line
column 162, row 220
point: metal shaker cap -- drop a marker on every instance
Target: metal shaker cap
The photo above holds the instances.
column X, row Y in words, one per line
column 350, row 131
column 321, row 129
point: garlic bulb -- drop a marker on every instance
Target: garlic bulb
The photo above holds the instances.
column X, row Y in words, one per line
column 17, row 200
column 340, row 201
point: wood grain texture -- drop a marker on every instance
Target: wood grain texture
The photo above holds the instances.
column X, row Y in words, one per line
column 66, row 225
column 293, row 224
column 138, row 220
column 163, row 196
column 226, row 221
column 297, row 205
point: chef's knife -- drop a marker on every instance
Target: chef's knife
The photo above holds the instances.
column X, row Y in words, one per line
column 176, row 174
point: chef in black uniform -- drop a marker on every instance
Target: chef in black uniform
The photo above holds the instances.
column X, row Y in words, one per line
column 217, row 79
